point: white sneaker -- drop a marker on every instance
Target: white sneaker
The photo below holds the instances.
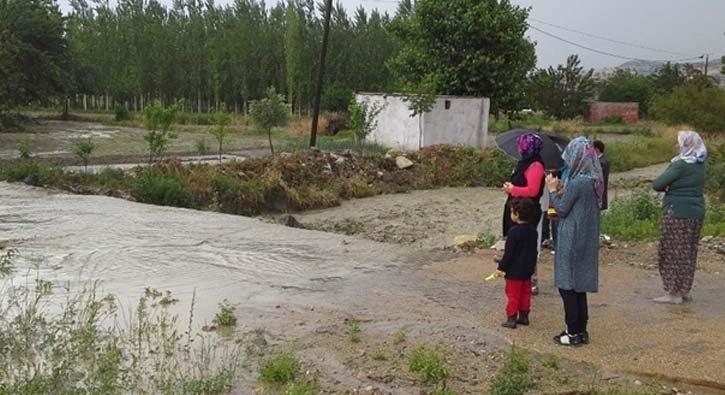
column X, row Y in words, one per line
column 668, row 299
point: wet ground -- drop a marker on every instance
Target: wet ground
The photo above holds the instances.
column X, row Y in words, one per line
column 297, row 288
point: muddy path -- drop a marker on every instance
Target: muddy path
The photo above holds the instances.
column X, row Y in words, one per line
column 298, row 290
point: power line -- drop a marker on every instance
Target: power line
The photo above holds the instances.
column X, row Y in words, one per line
column 609, row 39
column 605, row 52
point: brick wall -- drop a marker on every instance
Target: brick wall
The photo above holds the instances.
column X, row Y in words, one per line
column 600, row 110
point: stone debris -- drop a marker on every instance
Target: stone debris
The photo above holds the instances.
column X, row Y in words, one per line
column 403, row 162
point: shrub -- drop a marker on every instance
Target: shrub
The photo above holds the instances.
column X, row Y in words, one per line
column 430, row 365
column 700, row 106
column 280, row 370
column 154, row 187
column 363, row 118
column 32, row 173
column 158, row 120
column 269, row 112
column 354, row 330
column 220, row 130
column 122, row 113
column 83, row 148
column 225, row 316
column 514, row 377
column 24, row 150
column 201, row 147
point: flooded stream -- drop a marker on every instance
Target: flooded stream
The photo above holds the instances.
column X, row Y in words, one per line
column 130, row 246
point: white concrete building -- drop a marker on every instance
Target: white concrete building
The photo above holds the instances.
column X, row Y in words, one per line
column 453, row 120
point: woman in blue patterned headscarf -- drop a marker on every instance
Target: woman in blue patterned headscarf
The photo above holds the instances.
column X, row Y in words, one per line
column 577, row 198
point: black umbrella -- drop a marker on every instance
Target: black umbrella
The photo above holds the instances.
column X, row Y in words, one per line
column 554, row 144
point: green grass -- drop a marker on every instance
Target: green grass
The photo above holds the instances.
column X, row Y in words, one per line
column 280, row 370
column 515, row 377
column 639, row 151
column 430, row 365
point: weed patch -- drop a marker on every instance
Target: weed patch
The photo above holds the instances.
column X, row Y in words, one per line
column 400, row 336
column 430, row 365
column 639, row 151
column 514, row 377
column 354, row 330
column 225, row 316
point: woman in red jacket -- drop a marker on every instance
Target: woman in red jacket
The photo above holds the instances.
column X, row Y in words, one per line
column 527, row 181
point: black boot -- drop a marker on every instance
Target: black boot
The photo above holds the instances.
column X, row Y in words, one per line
column 523, row 318
column 510, row 322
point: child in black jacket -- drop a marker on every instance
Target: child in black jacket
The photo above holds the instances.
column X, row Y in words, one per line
column 519, row 261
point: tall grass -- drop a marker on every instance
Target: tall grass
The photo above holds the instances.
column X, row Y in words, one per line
column 60, row 340
column 639, row 151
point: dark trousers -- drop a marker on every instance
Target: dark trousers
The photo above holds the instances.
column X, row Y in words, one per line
column 576, row 312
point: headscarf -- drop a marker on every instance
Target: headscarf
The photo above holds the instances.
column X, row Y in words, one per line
column 692, row 148
column 529, row 146
column 580, row 160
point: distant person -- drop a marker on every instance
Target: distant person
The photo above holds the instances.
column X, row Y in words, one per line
column 683, row 212
column 527, row 181
column 519, row 260
column 599, row 147
column 577, row 198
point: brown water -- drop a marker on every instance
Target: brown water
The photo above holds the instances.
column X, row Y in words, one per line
column 130, row 246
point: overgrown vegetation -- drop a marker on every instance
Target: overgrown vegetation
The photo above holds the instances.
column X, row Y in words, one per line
column 429, row 364
column 639, row 151
column 363, row 119
column 284, row 374
column 78, row 346
column 354, row 330
column 298, row 181
column 701, row 106
column 225, row 316
column 514, row 378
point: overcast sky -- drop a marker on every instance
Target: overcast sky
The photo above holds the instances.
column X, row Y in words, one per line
column 683, row 28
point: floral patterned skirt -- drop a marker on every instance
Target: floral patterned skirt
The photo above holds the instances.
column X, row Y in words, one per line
column 678, row 252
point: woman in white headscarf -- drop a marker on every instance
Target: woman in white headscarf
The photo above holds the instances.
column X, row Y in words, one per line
column 683, row 212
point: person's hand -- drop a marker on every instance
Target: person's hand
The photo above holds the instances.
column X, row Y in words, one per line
column 552, row 183
column 508, row 187
column 500, row 273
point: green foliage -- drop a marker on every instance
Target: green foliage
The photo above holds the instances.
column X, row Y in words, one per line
column 32, row 173
column 158, row 120
column 225, row 316
column 562, row 92
column 83, row 148
column 716, row 171
column 201, row 147
column 77, row 347
column 627, row 86
column 336, row 98
column 269, row 112
column 354, row 330
column 24, row 150
column 280, row 370
column 635, row 217
column 220, row 130
column 514, row 377
column 430, row 365
column 7, row 267
column 121, row 113
column 486, row 240
column 639, row 151
column 461, row 47
column 701, row 107
column 363, row 119
column 33, row 52
column 613, row 120
column 668, row 77
column 154, row 187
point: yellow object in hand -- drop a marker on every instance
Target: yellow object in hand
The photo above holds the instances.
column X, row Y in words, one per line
column 492, row 277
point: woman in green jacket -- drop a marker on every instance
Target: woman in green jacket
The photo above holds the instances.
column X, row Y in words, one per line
column 683, row 211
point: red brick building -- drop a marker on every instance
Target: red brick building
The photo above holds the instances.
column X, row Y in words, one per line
column 600, row 110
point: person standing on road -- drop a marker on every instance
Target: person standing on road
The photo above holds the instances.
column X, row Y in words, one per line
column 577, row 198
column 604, row 162
column 683, row 212
column 527, row 181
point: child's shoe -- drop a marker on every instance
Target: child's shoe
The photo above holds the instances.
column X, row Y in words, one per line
column 510, row 322
column 523, row 318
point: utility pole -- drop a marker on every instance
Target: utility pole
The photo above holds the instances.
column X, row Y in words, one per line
column 707, row 62
column 321, row 74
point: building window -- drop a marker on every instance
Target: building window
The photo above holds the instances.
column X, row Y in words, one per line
column 448, row 104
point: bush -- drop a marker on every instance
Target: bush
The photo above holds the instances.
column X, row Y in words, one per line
column 121, row 113
column 32, row 173
column 201, row 147
column 336, row 98
column 702, row 107
column 280, row 370
column 225, row 316
column 154, row 187
column 635, row 217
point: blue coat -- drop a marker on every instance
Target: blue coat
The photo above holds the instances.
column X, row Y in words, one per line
column 576, row 266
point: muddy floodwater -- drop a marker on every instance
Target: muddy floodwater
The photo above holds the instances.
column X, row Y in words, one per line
column 130, row 246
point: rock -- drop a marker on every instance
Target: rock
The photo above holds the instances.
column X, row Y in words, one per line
column 707, row 239
column 208, row 328
column 288, row 220
column 403, row 162
column 499, row 246
column 637, row 383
